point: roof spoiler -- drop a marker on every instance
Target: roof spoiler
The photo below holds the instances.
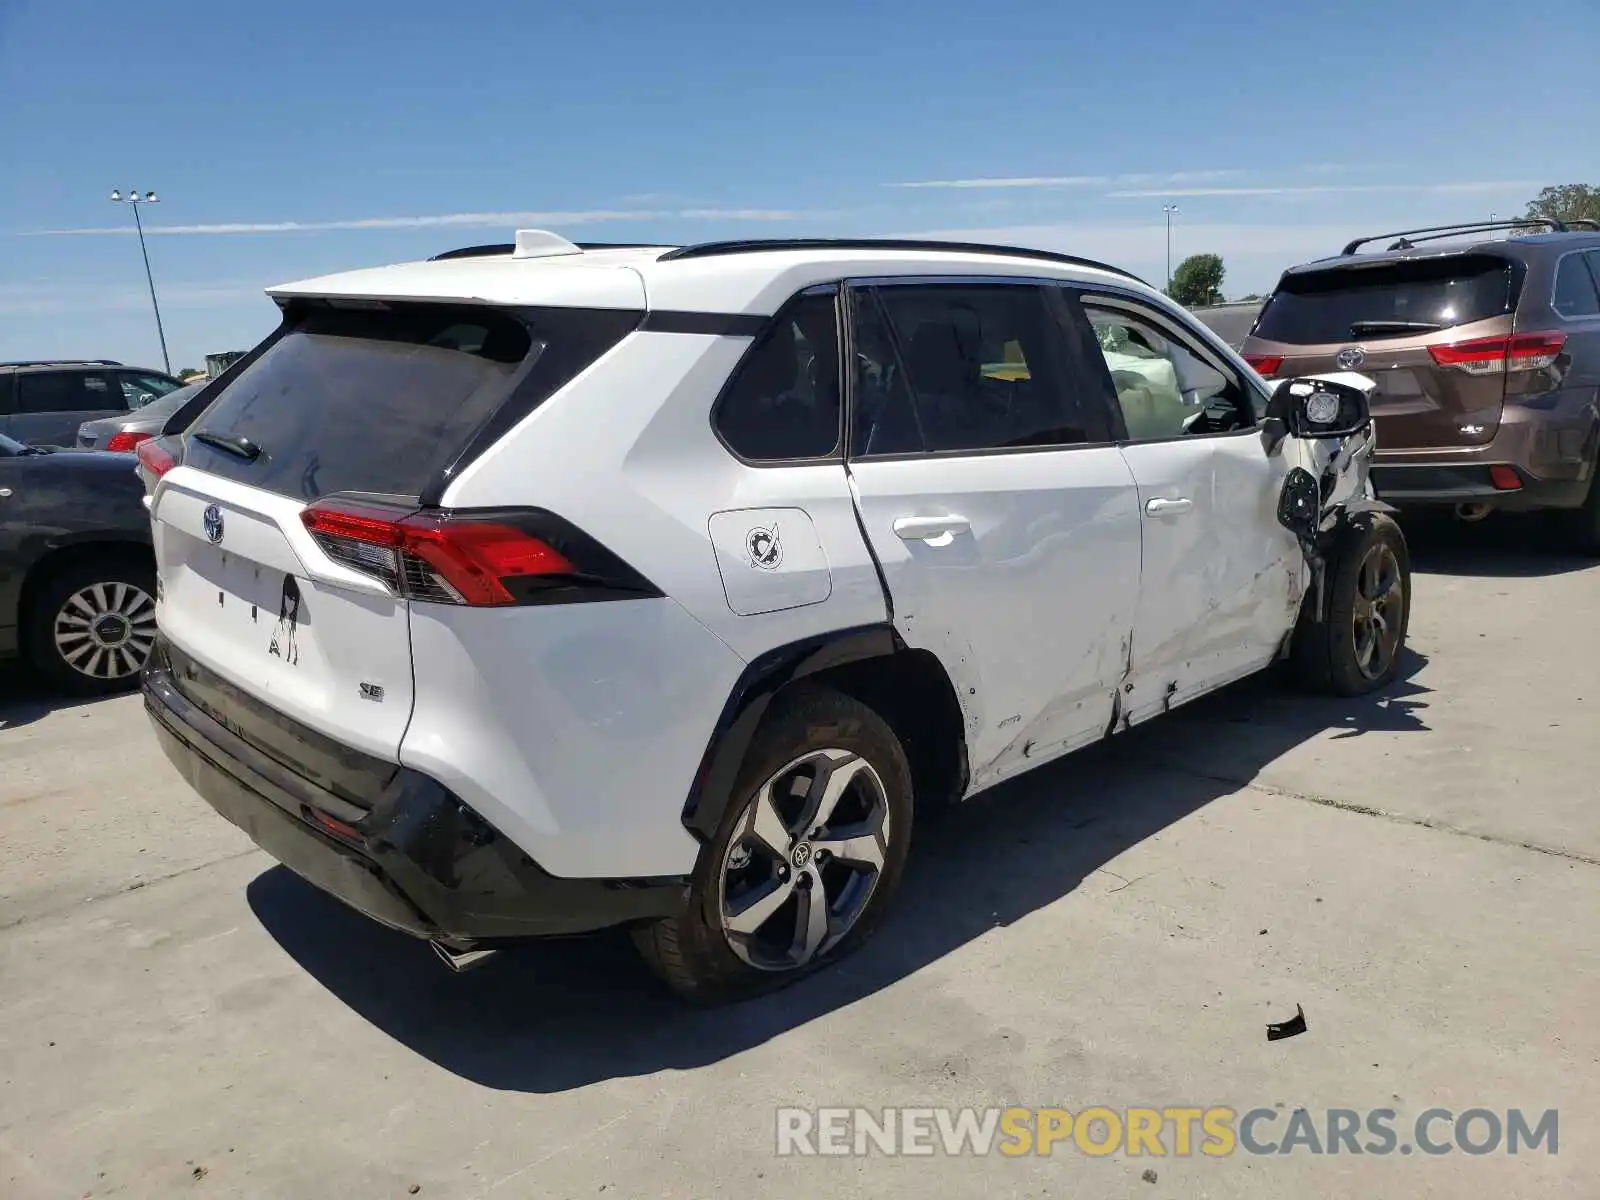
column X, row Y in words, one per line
column 1406, row 238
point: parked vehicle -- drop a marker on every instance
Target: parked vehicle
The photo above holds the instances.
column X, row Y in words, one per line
column 77, row 577
column 124, row 432
column 44, row 403
column 662, row 588
column 1232, row 321
column 1487, row 357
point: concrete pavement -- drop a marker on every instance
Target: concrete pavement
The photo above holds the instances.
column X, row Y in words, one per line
column 1419, row 870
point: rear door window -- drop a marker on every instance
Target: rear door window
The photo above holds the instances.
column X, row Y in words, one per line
column 381, row 400
column 66, row 391
column 1391, row 299
column 1575, row 294
column 962, row 367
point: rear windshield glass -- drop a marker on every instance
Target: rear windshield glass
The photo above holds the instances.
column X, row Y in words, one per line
column 366, row 400
column 1397, row 299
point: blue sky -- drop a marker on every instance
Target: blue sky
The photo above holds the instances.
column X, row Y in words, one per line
column 294, row 138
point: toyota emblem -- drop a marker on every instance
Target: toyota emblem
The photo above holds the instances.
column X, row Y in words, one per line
column 1351, row 357
column 212, row 521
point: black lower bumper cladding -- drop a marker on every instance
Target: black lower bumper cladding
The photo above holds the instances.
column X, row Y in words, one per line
column 410, row 854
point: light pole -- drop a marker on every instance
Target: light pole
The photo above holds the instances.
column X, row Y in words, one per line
column 133, row 199
column 1169, row 209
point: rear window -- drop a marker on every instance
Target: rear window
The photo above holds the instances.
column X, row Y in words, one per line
column 382, row 400
column 1395, row 299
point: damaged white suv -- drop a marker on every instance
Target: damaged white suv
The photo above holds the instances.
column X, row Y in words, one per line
column 543, row 588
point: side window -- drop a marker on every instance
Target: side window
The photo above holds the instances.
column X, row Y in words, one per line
column 1575, row 293
column 65, row 391
column 139, row 389
column 1164, row 387
column 783, row 401
column 949, row 367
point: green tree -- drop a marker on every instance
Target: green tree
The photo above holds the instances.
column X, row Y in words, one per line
column 1198, row 281
column 1567, row 202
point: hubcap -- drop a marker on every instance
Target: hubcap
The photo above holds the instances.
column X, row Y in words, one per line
column 106, row 630
column 1379, row 610
column 805, row 860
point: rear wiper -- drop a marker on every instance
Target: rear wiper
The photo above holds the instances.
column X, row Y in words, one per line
column 1357, row 328
column 241, row 446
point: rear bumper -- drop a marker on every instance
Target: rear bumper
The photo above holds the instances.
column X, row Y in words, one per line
column 1417, row 485
column 415, row 859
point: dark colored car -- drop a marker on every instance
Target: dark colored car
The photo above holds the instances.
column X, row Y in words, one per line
column 124, row 432
column 77, row 573
column 1487, row 357
column 43, row 403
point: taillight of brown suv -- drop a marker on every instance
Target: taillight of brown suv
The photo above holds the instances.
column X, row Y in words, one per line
column 1486, row 353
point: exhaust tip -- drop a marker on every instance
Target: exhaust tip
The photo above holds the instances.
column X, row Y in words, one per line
column 1472, row 512
column 461, row 960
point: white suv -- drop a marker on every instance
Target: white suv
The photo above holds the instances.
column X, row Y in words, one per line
column 537, row 589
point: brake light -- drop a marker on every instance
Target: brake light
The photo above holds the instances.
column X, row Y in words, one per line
column 438, row 557
column 123, row 442
column 1265, row 364
column 154, row 459
column 1499, row 355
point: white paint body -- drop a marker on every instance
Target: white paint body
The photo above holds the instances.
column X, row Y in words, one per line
column 1057, row 599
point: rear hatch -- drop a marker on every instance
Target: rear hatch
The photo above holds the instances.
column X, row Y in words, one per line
column 1433, row 332
column 354, row 409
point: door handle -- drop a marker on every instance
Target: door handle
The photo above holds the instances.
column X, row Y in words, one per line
column 5, row 493
column 936, row 531
column 1167, row 508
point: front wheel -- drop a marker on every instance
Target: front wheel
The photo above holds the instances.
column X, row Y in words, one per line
column 804, row 860
column 1358, row 645
column 92, row 625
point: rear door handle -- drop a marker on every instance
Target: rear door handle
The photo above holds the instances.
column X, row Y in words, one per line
column 1167, row 508
column 936, row 531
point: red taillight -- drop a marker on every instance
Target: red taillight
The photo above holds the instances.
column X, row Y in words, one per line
column 154, row 459
column 424, row 556
column 1498, row 355
column 1265, row 364
column 334, row 825
column 121, row 443
column 1505, row 478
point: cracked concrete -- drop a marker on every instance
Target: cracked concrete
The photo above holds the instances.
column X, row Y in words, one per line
column 1418, row 872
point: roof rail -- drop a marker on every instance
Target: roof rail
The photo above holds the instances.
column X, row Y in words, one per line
column 758, row 245
column 64, row 362
column 1406, row 240
column 1583, row 221
column 502, row 249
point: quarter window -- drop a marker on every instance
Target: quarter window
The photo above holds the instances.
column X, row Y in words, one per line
column 960, row 367
column 1164, row 388
column 1575, row 292
column 783, row 401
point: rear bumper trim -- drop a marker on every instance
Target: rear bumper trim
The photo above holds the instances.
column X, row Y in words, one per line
column 420, row 861
column 1423, row 485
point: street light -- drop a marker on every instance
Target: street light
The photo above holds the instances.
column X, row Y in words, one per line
column 133, row 199
column 1168, row 210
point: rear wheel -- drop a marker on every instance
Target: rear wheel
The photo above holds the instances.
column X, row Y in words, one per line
column 91, row 625
column 1358, row 645
column 803, row 862
column 1582, row 525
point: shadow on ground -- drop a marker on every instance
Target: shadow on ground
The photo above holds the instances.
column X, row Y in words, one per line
column 1503, row 546
column 555, row 1016
column 24, row 698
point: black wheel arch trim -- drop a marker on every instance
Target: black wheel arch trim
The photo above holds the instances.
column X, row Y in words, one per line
column 761, row 680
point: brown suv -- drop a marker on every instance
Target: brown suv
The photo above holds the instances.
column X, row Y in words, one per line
column 1486, row 354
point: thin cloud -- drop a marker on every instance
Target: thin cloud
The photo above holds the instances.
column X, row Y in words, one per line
column 1068, row 181
column 436, row 221
column 1325, row 189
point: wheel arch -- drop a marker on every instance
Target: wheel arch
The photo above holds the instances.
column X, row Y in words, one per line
column 64, row 557
column 909, row 688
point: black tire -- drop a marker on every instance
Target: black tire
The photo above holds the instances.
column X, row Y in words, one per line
column 1581, row 526
column 49, row 610
column 691, row 951
column 1326, row 655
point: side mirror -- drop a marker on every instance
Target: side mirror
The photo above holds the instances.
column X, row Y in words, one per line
column 1321, row 407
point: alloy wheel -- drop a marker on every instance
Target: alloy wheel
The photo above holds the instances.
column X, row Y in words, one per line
column 1379, row 610
column 105, row 631
column 805, row 860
